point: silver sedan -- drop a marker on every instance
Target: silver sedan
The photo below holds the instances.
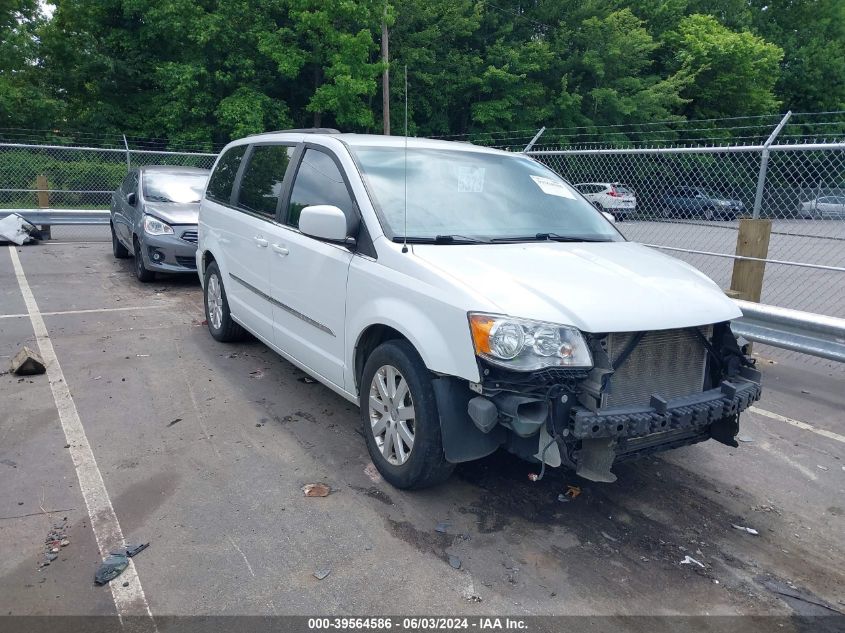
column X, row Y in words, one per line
column 154, row 218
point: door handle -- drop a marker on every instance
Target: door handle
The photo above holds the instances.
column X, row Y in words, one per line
column 281, row 250
column 260, row 241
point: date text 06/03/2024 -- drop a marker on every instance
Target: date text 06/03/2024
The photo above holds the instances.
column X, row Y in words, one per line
column 418, row 623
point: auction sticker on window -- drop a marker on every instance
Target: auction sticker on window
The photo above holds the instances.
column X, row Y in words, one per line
column 553, row 187
column 470, row 179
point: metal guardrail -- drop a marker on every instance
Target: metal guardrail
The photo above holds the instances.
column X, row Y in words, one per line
column 61, row 217
column 803, row 332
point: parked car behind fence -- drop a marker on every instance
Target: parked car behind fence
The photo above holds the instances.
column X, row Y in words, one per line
column 612, row 197
column 698, row 202
column 823, row 207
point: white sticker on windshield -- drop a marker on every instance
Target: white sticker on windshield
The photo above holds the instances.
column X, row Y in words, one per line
column 470, row 179
column 553, row 187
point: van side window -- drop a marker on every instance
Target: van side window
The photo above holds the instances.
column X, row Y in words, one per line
column 261, row 184
column 223, row 178
column 318, row 181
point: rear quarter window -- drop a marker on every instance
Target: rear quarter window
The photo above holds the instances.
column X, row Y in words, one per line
column 223, row 177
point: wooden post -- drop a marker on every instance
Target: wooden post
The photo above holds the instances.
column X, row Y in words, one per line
column 43, row 194
column 752, row 241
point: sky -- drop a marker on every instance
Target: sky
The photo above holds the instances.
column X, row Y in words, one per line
column 47, row 8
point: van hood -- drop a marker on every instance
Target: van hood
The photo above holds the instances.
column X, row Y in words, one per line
column 596, row 287
column 174, row 212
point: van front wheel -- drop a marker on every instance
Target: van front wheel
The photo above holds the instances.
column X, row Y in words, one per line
column 400, row 418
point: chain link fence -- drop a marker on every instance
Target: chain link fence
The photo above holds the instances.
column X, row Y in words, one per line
column 76, row 177
column 688, row 201
column 689, row 196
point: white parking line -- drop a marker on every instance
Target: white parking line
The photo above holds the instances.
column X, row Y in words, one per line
column 128, row 600
column 798, row 424
column 61, row 312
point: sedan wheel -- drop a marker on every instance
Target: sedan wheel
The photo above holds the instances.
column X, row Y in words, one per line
column 392, row 416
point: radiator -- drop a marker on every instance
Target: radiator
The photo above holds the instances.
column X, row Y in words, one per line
column 670, row 363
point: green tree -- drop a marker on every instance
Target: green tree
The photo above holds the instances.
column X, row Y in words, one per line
column 24, row 99
column 732, row 72
column 330, row 43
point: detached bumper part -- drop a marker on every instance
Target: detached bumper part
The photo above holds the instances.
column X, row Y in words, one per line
column 609, row 435
column 691, row 412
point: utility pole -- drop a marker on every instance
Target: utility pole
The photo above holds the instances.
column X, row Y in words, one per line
column 385, row 75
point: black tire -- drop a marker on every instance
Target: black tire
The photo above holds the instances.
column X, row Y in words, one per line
column 143, row 274
column 228, row 331
column 426, row 464
column 117, row 248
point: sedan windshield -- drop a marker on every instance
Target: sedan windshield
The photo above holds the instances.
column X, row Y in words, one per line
column 464, row 196
column 184, row 188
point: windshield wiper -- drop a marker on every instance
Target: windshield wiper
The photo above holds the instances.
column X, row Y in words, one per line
column 442, row 239
column 544, row 237
column 556, row 237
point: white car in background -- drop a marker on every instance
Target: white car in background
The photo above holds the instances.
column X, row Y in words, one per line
column 466, row 299
column 830, row 207
column 611, row 197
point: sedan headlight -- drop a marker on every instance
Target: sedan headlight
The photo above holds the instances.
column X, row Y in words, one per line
column 526, row 345
column 154, row 226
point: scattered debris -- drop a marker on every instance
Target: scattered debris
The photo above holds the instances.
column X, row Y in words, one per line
column 15, row 228
column 116, row 563
column 316, row 490
column 689, row 560
column 175, row 421
column 745, row 438
column 454, row 561
column 563, row 498
column 111, row 568
column 257, row 373
column 372, row 472
column 442, row 528
column 572, row 491
column 533, row 477
column 746, row 529
column 27, row 363
column 322, row 573
column 308, row 380
column 130, row 550
column 56, row 539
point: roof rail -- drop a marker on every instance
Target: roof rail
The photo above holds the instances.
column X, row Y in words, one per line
column 304, row 130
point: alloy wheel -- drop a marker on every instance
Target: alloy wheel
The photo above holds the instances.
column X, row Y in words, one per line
column 214, row 300
column 391, row 414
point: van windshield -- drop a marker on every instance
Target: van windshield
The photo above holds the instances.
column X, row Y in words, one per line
column 467, row 196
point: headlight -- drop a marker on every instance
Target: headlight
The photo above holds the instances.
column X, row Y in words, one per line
column 154, row 226
column 525, row 345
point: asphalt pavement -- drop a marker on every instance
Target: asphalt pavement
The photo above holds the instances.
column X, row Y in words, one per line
column 202, row 449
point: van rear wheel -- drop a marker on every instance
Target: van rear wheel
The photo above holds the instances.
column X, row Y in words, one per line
column 217, row 315
column 400, row 418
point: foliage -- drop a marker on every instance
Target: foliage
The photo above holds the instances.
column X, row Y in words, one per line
column 200, row 72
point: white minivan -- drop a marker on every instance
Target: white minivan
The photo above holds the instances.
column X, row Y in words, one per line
column 467, row 299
